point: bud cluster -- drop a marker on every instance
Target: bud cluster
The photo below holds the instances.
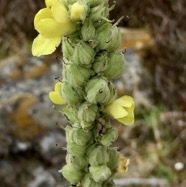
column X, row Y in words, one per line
column 90, row 63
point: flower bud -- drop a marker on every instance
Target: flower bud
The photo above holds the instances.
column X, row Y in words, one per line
column 70, row 94
column 87, row 112
column 74, row 38
column 76, row 75
column 77, row 162
column 71, row 174
column 97, row 91
column 115, row 39
column 115, row 65
column 113, row 92
column 109, row 137
column 108, row 37
column 80, row 136
column 75, row 149
column 68, row 131
column 88, row 31
column 97, row 155
column 67, row 48
column 71, row 114
column 100, row 62
column 99, row 12
column 104, row 36
column 69, row 2
column 90, row 148
column 86, row 125
column 94, row 3
column 100, row 173
column 89, row 182
column 78, row 11
column 113, row 158
column 83, row 54
column 76, row 124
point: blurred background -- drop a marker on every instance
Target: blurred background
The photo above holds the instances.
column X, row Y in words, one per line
column 31, row 137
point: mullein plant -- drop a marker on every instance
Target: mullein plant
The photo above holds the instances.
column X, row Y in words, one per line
column 86, row 94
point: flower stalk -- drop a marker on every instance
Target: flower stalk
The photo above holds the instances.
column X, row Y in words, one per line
column 87, row 95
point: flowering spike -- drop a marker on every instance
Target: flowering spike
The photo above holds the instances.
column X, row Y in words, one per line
column 87, row 95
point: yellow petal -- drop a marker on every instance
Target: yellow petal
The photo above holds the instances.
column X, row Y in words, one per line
column 49, row 3
column 129, row 119
column 126, row 101
column 59, row 12
column 57, row 87
column 116, row 111
column 42, row 14
column 49, row 28
column 56, row 98
column 68, row 28
column 43, row 46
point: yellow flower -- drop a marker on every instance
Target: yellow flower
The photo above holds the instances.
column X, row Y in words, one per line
column 55, row 96
column 52, row 23
column 122, row 109
column 122, row 165
column 77, row 11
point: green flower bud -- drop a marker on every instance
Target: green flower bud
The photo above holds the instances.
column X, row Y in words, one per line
column 87, row 112
column 98, row 155
column 113, row 158
column 83, row 54
column 100, row 62
column 75, row 149
column 76, row 75
column 97, row 90
column 99, row 12
column 97, row 2
column 69, row 2
column 89, row 182
column 100, row 173
column 90, row 148
column 71, row 174
column 108, row 37
column 74, row 38
column 80, row 136
column 70, row 94
column 115, row 39
column 77, row 162
column 113, row 92
column 87, row 125
column 104, row 35
column 115, row 65
column 68, row 131
column 88, row 31
column 67, row 48
column 71, row 114
column 76, row 125
column 109, row 137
